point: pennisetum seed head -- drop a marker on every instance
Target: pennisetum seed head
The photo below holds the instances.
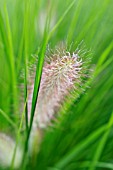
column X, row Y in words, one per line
column 7, row 148
column 62, row 73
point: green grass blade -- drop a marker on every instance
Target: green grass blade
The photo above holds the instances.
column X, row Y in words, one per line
column 86, row 164
column 26, row 46
column 105, row 54
column 10, row 53
column 74, row 22
column 18, row 136
column 36, row 90
column 8, row 119
column 101, row 145
column 67, row 158
column 61, row 18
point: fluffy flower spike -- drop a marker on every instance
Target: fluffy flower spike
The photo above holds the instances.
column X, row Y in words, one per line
column 7, row 147
column 62, row 72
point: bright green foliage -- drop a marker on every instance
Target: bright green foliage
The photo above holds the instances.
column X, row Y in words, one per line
column 82, row 137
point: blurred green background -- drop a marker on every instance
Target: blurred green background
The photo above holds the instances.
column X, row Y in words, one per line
column 83, row 138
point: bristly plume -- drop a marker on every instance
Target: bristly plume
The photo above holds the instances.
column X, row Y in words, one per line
column 63, row 72
column 7, row 147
